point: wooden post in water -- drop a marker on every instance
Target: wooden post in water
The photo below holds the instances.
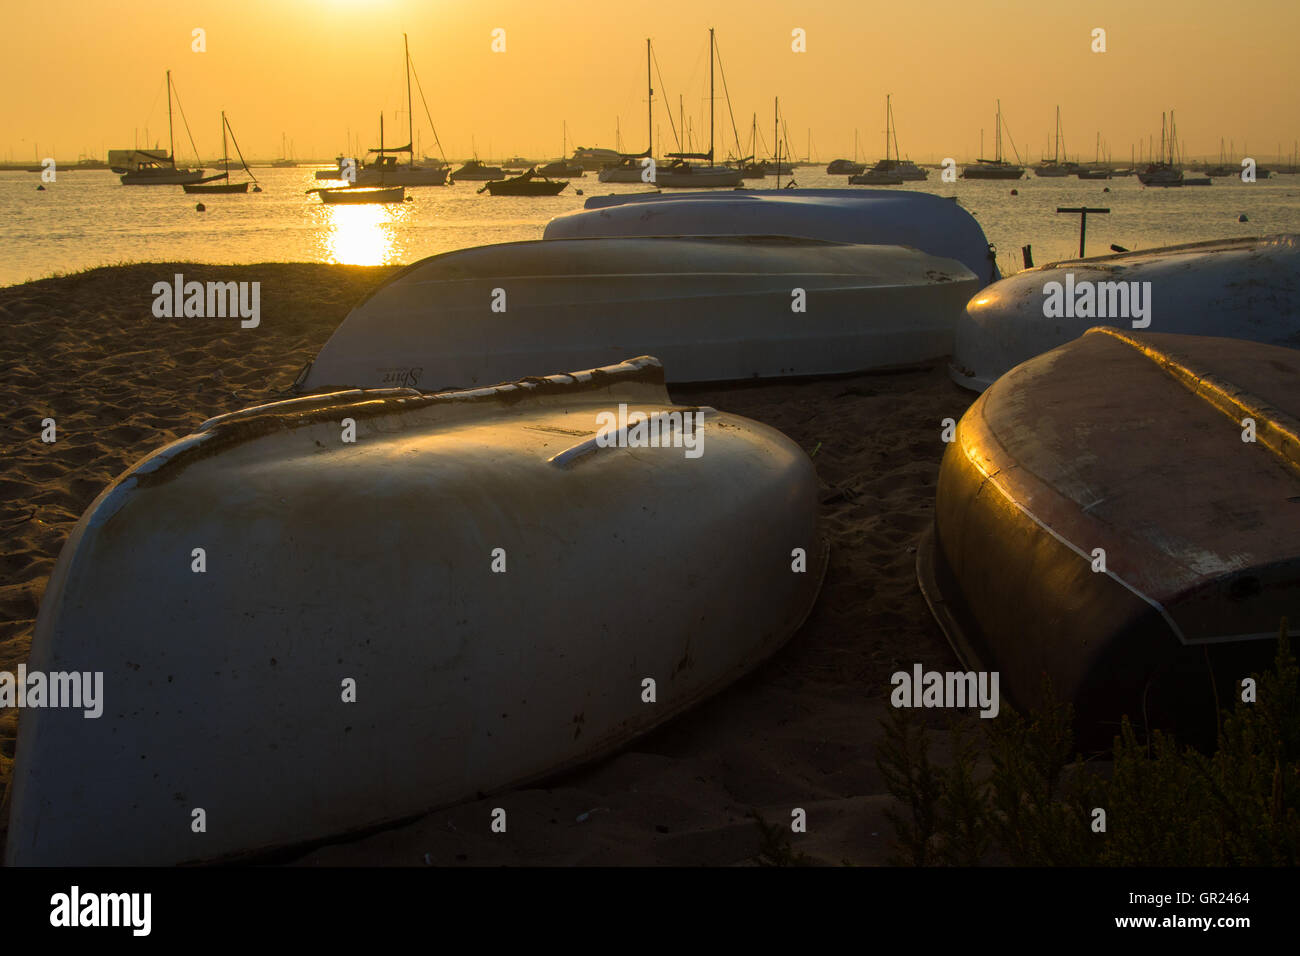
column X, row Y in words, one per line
column 1083, row 221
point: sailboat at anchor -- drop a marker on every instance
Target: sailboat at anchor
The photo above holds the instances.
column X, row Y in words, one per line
column 209, row 185
column 680, row 174
column 145, row 167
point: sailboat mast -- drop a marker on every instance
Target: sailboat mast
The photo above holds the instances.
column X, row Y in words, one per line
column 886, row 126
column 997, row 134
column 225, row 153
column 776, row 138
column 898, row 156
column 710, row 94
column 171, row 149
column 650, row 102
column 410, row 122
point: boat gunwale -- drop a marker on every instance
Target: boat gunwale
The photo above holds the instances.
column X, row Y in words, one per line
column 1231, row 244
column 791, row 240
column 290, row 414
column 1275, row 429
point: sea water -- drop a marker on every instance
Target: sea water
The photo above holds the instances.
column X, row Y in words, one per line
column 87, row 218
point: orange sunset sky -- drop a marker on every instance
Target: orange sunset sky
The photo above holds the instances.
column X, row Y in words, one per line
column 82, row 77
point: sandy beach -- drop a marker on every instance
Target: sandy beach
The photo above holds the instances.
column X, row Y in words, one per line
column 801, row 731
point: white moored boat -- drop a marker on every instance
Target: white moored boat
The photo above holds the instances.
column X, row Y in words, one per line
column 1236, row 288
column 470, row 596
column 924, row 221
column 712, row 309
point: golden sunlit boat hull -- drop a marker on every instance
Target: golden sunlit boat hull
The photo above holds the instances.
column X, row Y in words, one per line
column 1132, row 446
column 363, row 194
column 495, row 585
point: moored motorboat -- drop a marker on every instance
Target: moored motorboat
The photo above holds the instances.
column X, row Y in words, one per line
column 1050, row 169
column 631, row 169
column 844, row 167
column 528, row 183
column 337, row 171
column 148, row 173
column 593, row 159
column 481, row 589
column 1103, row 526
column 992, row 169
column 717, row 309
column 362, row 194
column 876, row 177
column 475, row 171
column 931, row 223
column 1242, row 288
column 563, row 169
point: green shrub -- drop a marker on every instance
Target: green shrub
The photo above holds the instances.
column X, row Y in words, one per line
column 1164, row 805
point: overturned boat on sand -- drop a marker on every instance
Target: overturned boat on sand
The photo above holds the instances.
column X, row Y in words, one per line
column 472, row 591
column 712, row 309
column 924, row 221
column 1239, row 288
column 1105, row 520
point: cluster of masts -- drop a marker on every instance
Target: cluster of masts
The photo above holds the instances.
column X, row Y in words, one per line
column 684, row 167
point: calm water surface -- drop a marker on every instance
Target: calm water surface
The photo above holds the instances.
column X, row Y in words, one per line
column 87, row 218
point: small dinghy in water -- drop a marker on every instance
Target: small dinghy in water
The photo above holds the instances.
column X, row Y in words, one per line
column 1101, row 521
column 1239, row 288
column 471, row 595
column 923, row 221
column 716, row 309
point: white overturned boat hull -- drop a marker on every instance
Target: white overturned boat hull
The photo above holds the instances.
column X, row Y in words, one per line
column 719, row 309
column 924, row 221
column 1233, row 288
column 372, row 562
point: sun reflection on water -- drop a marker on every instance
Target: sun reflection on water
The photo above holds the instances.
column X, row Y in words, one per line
column 362, row 234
